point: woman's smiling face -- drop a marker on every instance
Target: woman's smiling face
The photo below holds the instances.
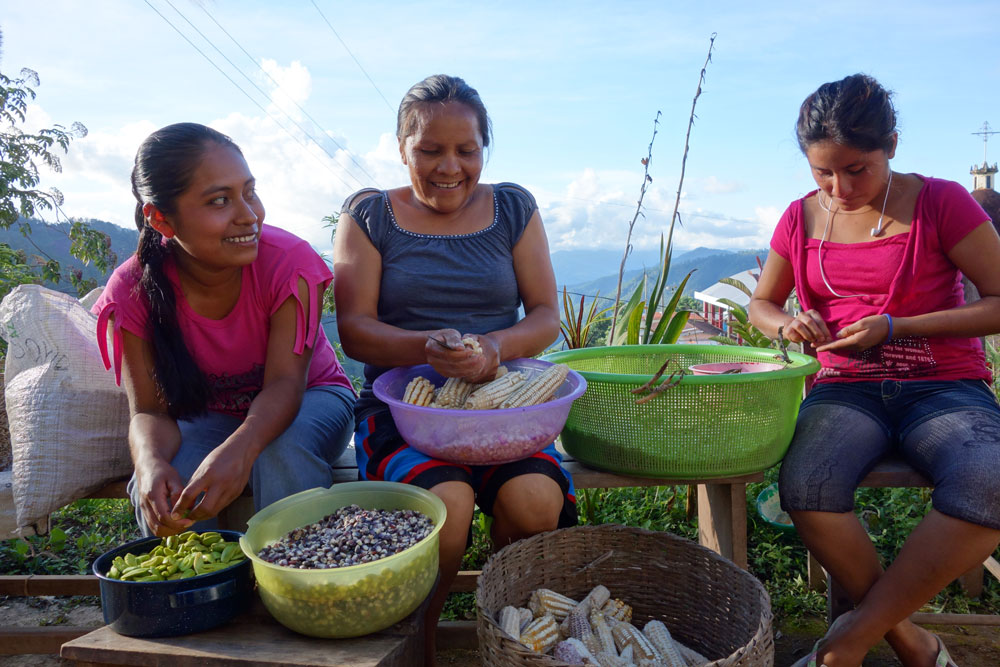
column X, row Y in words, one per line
column 444, row 155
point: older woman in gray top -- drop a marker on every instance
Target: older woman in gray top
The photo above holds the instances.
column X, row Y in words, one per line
column 449, row 256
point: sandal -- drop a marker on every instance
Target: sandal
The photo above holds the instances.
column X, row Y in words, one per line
column 943, row 657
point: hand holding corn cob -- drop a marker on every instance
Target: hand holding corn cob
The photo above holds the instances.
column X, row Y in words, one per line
column 512, row 389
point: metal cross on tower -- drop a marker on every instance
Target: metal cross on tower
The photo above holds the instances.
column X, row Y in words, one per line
column 985, row 132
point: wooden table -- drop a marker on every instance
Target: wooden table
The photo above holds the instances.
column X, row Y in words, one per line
column 254, row 639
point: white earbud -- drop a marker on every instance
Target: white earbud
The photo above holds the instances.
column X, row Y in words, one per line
column 878, row 230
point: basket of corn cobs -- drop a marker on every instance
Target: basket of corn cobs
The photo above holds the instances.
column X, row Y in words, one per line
column 517, row 414
column 582, row 596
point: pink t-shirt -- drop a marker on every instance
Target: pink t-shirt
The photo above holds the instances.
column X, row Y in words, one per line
column 231, row 352
column 903, row 275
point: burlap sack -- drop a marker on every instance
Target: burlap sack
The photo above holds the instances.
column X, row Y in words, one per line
column 68, row 420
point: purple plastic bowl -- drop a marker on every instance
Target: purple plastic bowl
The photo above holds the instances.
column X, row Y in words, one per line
column 477, row 437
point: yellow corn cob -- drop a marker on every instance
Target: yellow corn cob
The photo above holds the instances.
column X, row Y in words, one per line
column 626, row 634
column 617, row 610
column 541, row 634
column 603, row 632
column 539, row 389
column 544, row 601
column 453, row 393
column 420, row 391
column 693, row 658
column 659, row 636
column 472, row 344
column 492, row 394
column 509, row 621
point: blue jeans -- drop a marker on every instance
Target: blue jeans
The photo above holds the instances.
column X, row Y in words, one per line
column 949, row 431
column 301, row 458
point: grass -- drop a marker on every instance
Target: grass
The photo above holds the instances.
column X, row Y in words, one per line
column 84, row 530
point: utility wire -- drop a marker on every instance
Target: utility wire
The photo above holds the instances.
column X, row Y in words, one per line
column 391, row 108
column 258, row 104
column 263, row 92
column 277, row 85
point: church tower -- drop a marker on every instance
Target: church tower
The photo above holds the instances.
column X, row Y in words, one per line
column 984, row 177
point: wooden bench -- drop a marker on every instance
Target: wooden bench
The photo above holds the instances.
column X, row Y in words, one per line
column 722, row 527
column 895, row 473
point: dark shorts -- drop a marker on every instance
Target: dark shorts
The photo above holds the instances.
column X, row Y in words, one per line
column 947, row 430
column 383, row 455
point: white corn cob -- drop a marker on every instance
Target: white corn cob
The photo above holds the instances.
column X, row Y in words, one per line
column 606, row 659
column 509, row 621
column 693, row 658
column 626, row 634
column 603, row 632
column 574, row 652
column 618, row 610
column 492, row 394
column 501, row 371
column 594, row 600
column 539, row 389
column 659, row 636
column 544, row 601
column 525, row 617
column 646, row 662
column 453, row 393
column 541, row 634
column 420, row 391
column 628, row 654
column 472, row 344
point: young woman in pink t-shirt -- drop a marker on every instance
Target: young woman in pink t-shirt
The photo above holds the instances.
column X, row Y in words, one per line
column 215, row 330
column 876, row 259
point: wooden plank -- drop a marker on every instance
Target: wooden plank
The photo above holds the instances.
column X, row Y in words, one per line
column 722, row 520
column 585, row 477
column 992, row 566
column 46, row 640
column 894, row 472
column 254, row 639
column 972, row 582
column 49, row 584
column 924, row 618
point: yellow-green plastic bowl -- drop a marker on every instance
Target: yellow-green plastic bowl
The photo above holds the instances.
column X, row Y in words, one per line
column 345, row 601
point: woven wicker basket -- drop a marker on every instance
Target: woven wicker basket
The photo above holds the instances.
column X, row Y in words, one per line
column 709, row 603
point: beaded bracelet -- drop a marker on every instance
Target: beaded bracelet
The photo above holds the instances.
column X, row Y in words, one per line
column 888, row 318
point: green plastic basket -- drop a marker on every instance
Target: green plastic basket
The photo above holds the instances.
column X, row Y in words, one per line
column 706, row 426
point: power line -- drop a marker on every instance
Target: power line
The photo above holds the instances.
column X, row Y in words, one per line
column 248, row 96
column 263, row 92
column 278, row 86
column 391, row 108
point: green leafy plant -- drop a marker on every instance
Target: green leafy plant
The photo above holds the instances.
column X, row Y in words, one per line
column 576, row 327
column 741, row 325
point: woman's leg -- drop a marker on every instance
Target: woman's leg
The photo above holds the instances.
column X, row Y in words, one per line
column 302, row 457
column 960, row 452
column 199, row 436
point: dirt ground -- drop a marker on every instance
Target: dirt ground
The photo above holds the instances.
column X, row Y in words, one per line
column 970, row 645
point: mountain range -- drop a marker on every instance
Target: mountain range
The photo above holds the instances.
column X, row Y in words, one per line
column 581, row 271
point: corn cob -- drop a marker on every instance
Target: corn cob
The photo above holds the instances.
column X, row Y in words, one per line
column 472, row 344
column 626, row 634
column 618, row 610
column 594, row 599
column 603, row 632
column 693, row 658
column 659, row 637
column 453, row 393
column 510, row 621
column 541, row 634
column 525, row 616
column 501, row 371
column 606, row 659
column 539, row 389
column 574, row 652
column 544, row 601
column 645, row 662
column 492, row 394
column 628, row 654
column 420, row 391
column 577, row 626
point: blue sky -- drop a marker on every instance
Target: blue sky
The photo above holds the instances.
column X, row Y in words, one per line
column 572, row 87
